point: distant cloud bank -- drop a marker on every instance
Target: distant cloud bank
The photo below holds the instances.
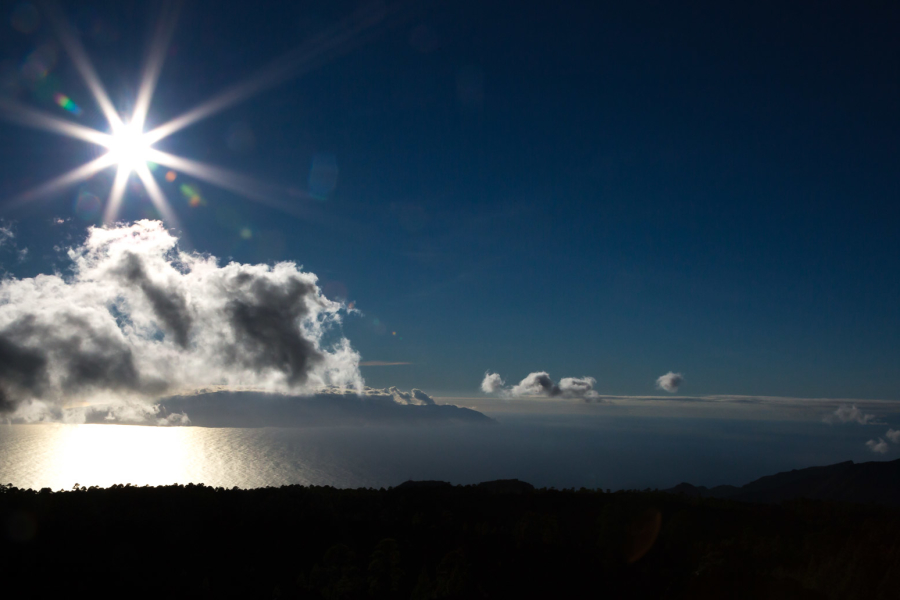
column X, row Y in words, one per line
column 328, row 407
column 540, row 384
column 138, row 319
column 670, row 382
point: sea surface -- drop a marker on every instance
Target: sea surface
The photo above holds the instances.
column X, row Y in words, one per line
column 624, row 452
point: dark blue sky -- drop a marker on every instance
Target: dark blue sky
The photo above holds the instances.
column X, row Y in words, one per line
column 614, row 192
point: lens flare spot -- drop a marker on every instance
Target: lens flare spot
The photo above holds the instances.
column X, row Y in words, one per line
column 148, row 211
column 39, row 63
column 66, row 103
column 323, row 176
column 87, row 206
column 188, row 191
column 246, row 234
column 170, row 176
column 642, row 534
column 25, row 18
column 335, row 290
column 378, row 327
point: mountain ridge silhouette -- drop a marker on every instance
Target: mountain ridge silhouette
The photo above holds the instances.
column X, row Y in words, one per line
column 869, row 482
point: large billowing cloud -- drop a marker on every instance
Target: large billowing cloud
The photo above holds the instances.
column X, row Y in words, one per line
column 540, row 384
column 138, row 319
column 670, row 382
column 847, row 413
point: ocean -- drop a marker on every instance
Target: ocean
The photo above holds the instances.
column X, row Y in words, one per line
column 562, row 451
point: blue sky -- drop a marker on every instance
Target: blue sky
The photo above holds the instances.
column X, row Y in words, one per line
column 610, row 192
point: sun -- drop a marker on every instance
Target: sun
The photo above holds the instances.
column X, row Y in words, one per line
column 129, row 148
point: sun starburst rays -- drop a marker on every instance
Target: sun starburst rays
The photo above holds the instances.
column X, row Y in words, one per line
column 324, row 46
column 153, row 67
column 156, row 195
column 130, row 148
column 13, row 111
column 79, row 58
column 70, row 178
column 116, row 193
column 127, row 145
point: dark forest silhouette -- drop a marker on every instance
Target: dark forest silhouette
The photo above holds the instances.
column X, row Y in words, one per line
column 434, row 540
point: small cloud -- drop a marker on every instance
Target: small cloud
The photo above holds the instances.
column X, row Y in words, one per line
column 575, row 387
column 540, row 384
column 174, row 420
column 492, row 383
column 8, row 240
column 415, row 397
column 670, row 382
column 893, row 435
column 847, row 413
column 879, row 447
column 381, row 363
column 535, row 384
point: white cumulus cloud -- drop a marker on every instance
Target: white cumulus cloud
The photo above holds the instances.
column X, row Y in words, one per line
column 492, row 383
column 138, row 319
column 540, row 384
column 413, row 397
column 893, row 435
column 670, row 382
column 879, row 447
column 847, row 413
column 535, row 384
column 578, row 387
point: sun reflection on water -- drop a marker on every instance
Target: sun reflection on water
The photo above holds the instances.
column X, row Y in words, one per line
column 59, row 456
column 105, row 455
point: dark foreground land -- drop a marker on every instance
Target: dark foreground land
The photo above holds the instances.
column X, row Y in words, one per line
column 500, row 540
